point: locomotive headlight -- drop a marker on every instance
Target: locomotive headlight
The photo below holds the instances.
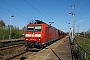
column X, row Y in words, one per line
column 27, row 39
column 39, row 39
column 28, row 35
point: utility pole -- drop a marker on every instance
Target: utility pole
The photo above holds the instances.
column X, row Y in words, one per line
column 10, row 26
column 73, row 27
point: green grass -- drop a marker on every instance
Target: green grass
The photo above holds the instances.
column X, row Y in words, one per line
column 85, row 44
column 12, row 43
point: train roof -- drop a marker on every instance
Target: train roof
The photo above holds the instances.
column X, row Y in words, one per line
column 37, row 22
column 40, row 22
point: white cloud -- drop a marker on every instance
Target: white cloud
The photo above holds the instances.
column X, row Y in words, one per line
column 84, row 20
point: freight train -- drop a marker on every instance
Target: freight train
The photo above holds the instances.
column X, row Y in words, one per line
column 39, row 34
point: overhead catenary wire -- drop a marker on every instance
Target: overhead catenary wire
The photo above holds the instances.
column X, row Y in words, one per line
column 76, row 2
column 79, row 3
column 15, row 8
column 35, row 9
column 19, row 10
column 13, row 12
column 83, row 7
column 41, row 8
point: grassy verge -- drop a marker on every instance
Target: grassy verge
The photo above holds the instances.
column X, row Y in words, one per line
column 85, row 44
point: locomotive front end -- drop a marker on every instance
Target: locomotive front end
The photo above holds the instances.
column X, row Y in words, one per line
column 33, row 36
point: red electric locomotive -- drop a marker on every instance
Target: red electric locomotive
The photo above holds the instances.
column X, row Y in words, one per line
column 40, row 34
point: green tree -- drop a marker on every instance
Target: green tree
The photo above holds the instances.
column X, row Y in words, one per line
column 2, row 24
column 5, row 31
column 88, row 33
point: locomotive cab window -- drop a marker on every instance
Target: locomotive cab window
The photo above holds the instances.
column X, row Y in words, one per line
column 34, row 28
column 30, row 28
column 37, row 28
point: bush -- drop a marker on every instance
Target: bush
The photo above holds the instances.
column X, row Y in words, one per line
column 5, row 33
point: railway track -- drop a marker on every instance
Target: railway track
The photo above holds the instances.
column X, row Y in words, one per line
column 8, row 47
column 43, row 54
column 10, row 51
column 28, row 54
column 5, row 43
column 16, row 52
column 50, row 52
column 25, row 55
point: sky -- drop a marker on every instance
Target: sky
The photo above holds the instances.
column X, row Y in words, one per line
column 55, row 11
